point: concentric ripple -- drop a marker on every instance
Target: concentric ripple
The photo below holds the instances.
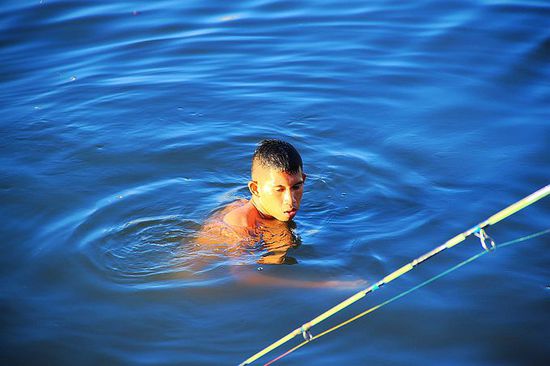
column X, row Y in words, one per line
column 136, row 237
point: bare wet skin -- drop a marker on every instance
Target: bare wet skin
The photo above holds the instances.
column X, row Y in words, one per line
column 271, row 239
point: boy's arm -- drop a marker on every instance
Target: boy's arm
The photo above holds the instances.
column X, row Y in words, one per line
column 245, row 275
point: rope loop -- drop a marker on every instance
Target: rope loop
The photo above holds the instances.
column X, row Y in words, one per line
column 306, row 334
column 484, row 238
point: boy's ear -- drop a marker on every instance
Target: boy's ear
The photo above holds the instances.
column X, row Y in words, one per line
column 253, row 188
column 304, row 176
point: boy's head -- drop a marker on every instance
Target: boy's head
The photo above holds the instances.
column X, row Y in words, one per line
column 277, row 154
column 277, row 179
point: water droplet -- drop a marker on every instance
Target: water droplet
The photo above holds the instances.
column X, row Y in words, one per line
column 260, row 268
column 228, row 18
column 73, row 78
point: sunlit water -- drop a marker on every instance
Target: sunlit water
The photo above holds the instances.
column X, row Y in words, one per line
column 126, row 124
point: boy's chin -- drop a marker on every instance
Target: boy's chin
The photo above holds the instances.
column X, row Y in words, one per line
column 285, row 217
column 281, row 217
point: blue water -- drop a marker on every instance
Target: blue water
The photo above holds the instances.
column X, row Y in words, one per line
column 126, row 124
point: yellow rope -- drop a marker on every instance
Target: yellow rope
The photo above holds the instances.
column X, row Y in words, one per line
column 510, row 210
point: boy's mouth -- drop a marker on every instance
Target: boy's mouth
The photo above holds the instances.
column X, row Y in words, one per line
column 291, row 213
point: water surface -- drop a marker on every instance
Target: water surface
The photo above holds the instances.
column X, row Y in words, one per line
column 125, row 125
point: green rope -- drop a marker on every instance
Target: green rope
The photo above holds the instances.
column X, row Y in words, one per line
column 412, row 289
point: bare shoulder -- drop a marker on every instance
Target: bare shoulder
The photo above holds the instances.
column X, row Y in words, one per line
column 216, row 230
column 238, row 215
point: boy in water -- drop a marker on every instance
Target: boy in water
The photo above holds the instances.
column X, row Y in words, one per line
column 265, row 220
column 276, row 186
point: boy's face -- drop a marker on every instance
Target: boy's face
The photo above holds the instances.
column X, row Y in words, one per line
column 276, row 193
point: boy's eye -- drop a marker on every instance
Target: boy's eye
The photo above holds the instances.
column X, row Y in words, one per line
column 280, row 189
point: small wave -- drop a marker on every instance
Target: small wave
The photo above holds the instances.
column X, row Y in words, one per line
column 134, row 238
column 145, row 247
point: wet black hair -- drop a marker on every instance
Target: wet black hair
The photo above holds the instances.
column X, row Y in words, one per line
column 277, row 154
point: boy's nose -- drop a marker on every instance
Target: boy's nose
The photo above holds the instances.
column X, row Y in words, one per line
column 289, row 198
